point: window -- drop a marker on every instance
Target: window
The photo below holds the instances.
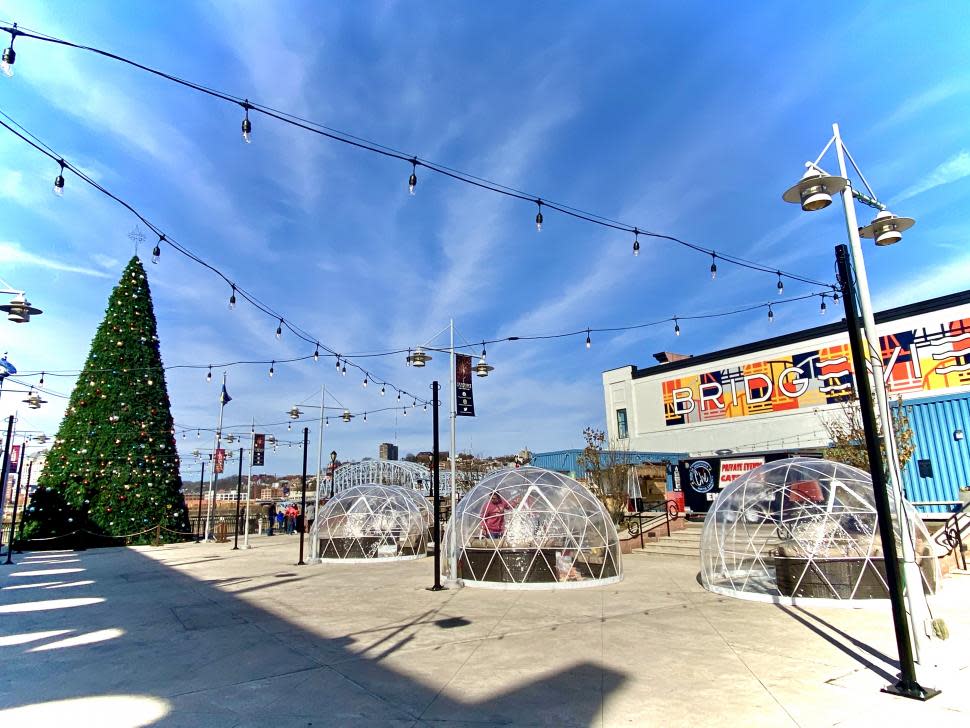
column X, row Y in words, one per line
column 621, row 427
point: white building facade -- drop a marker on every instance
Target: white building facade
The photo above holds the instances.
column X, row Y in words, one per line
column 773, row 396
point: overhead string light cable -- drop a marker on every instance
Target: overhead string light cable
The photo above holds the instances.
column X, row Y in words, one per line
column 364, row 144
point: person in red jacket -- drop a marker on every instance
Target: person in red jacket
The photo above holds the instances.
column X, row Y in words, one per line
column 493, row 516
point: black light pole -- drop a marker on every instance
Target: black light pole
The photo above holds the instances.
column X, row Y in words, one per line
column 436, row 488
column 16, row 497
column 23, row 513
column 6, row 464
column 301, row 520
column 333, row 469
column 235, row 540
column 198, row 519
column 907, row 686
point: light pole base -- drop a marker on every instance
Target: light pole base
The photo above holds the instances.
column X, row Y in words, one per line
column 910, row 689
column 453, row 583
column 437, row 587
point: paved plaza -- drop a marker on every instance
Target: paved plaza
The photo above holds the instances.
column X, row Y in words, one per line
column 200, row 635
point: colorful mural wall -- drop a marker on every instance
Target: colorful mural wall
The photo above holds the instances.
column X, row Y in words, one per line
column 931, row 358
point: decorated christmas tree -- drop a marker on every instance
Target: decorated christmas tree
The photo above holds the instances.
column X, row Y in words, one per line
column 113, row 469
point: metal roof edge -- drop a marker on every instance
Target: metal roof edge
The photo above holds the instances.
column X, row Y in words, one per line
column 892, row 314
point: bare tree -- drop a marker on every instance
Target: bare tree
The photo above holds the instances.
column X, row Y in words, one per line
column 848, row 436
column 607, row 466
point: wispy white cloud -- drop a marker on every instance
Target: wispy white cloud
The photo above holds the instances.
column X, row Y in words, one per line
column 955, row 168
column 920, row 103
column 13, row 255
column 937, row 280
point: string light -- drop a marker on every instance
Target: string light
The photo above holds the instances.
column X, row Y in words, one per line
column 636, row 242
column 208, row 376
column 771, row 314
column 279, row 330
column 384, row 150
column 9, row 54
column 58, row 188
column 413, row 179
column 676, row 327
column 247, row 126
column 713, row 266
column 589, row 342
column 41, row 383
column 781, row 285
column 365, row 381
column 405, row 411
column 365, row 417
column 343, row 369
column 382, row 390
column 835, row 297
column 823, row 307
column 272, row 368
column 539, row 217
column 399, row 395
column 232, row 299
column 326, row 422
column 157, row 250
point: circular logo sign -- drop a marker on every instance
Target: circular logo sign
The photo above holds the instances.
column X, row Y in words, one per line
column 700, row 476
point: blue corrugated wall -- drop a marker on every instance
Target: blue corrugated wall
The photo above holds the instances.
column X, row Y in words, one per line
column 934, row 421
column 567, row 461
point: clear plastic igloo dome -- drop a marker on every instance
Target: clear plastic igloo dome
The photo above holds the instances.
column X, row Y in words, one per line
column 800, row 530
column 371, row 521
column 533, row 528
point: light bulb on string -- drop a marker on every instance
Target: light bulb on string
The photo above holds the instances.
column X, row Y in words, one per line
column 41, row 383
column 247, row 126
column 781, row 285
column 413, row 179
column 9, row 54
column 157, row 250
column 365, row 417
column 316, row 353
column 539, row 217
column 382, row 390
column 713, row 266
column 272, row 369
column 589, row 341
column 425, row 408
column 232, row 298
column 835, row 297
column 405, row 411
column 823, row 307
column 771, row 314
column 58, row 188
column 198, row 434
column 343, row 369
column 326, row 422
column 279, row 330
column 636, row 242
column 365, row 381
column 289, row 427
column 208, row 376
column 338, row 362
column 676, row 327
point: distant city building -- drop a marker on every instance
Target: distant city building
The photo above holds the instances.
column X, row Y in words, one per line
column 388, row 451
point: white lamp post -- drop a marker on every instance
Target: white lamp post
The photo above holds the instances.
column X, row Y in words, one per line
column 814, row 192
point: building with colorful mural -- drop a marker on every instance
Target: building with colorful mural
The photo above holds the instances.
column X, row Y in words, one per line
column 772, row 396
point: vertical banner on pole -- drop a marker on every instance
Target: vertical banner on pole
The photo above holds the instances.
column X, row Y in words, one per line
column 463, row 386
column 220, row 460
column 259, row 450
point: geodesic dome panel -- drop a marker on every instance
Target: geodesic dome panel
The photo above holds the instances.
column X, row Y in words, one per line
column 803, row 529
column 371, row 521
column 421, row 502
column 529, row 527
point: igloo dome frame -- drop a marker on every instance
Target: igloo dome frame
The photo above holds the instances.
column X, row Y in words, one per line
column 361, row 523
column 804, row 531
column 545, row 531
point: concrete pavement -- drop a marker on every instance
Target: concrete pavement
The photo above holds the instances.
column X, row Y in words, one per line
column 200, row 635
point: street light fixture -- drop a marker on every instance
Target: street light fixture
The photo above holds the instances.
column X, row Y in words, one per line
column 295, row 413
column 34, row 400
column 19, row 309
column 814, row 192
column 419, row 358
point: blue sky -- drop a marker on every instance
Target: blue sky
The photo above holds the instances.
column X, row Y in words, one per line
column 677, row 117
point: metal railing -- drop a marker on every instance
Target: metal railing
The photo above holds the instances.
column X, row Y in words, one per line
column 665, row 509
column 951, row 535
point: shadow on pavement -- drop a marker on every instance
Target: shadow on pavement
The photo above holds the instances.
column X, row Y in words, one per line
column 165, row 649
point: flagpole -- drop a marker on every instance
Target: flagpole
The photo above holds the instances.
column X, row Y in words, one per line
column 214, row 475
column 452, row 551
column 315, row 542
column 249, row 482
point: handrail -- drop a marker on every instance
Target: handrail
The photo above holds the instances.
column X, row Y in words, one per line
column 670, row 512
column 953, row 536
